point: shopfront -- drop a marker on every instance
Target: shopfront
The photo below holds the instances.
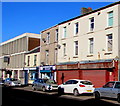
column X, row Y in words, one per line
column 31, row 74
column 47, row 72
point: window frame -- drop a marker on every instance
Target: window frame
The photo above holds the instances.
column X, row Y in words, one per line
column 91, row 45
column 35, row 60
column 64, row 32
column 64, row 49
column 76, row 28
column 76, row 48
column 110, row 17
column 107, row 44
column 91, row 23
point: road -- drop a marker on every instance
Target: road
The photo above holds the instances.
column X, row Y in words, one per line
column 24, row 96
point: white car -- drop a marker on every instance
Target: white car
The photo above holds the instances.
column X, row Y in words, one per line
column 111, row 90
column 76, row 87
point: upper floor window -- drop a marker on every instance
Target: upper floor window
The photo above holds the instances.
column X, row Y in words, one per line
column 64, row 49
column 64, row 32
column 76, row 28
column 48, row 37
column 91, row 24
column 91, row 45
column 28, row 61
column 76, row 48
column 56, row 35
column 110, row 18
column 46, row 56
column 35, row 60
column 109, row 42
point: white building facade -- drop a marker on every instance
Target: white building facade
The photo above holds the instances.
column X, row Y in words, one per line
column 91, row 36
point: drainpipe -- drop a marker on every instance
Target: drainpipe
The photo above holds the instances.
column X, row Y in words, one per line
column 118, row 70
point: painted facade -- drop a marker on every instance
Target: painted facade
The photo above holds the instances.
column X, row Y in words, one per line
column 90, row 47
column 49, row 52
column 32, row 63
column 92, row 43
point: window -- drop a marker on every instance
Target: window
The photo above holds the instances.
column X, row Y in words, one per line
column 48, row 37
column 74, row 82
column 56, row 53
column 76, row 28
column 91, row 24
column 117, row 85
column 109, row 85
column 47, row 56
column 28, row 61
column 56, row 35
column 35, row 60
column 110, row 18
column 68, row 82
column 64, row 49
column 91, row 44
column 109, row 42
column 76, row 48
column 64, row 32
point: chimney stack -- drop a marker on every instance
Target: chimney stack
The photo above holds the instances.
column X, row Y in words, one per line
column 85, row 10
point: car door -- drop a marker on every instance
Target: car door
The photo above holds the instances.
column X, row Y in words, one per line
column 107, row 90
column 67, row 86
column 40, row 84
column 36, row 84
column 116, row 90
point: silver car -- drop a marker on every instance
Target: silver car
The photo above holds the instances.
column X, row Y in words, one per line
column 44, row 85
column 12, row 82
column 110, row 90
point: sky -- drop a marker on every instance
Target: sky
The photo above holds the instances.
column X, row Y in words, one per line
column 33, row 17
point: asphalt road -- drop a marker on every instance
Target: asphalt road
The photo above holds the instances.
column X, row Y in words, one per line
column 24, row 96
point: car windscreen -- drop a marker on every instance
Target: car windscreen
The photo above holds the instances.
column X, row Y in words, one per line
column 86, row 82
column 50, row 81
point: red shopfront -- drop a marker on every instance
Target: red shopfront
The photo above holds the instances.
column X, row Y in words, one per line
column 97, row 73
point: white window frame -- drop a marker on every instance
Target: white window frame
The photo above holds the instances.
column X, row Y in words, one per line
column 46, row 57
column 76, row 48
column 48, row 38
column 35, row 60
column 56, row 35
column 76, row 28
column 90, row 28
column 91, row 45
column 64, row 49
column 109, row 18
column 107, row 42
column 64, row 32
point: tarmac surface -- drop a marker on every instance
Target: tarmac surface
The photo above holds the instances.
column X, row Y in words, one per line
column 25, row 96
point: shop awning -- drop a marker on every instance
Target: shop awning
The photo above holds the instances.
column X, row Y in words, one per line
column 45, row 71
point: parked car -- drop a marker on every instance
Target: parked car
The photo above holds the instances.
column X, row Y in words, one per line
column 2, row 81
column 44, row 85
column 76, row 87
column 110, row 89
column 12, row 82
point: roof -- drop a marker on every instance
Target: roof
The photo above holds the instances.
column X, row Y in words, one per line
column 91, row 12
column 49, row 28
column 32, row 35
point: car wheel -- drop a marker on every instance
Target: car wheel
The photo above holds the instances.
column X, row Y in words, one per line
column 118, row 98
column 33, row 88
column 60, row 91
column 75, row 92
column 43, row 89
column 97, row 95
